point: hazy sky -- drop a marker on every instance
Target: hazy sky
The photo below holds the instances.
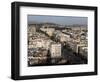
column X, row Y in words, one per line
column 64, row 20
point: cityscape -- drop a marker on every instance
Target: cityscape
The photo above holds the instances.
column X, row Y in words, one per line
column 57, row 40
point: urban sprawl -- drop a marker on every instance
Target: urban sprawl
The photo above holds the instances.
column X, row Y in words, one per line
column 54, row 44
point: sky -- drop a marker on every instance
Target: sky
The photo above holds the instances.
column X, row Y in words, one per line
column 63, row 20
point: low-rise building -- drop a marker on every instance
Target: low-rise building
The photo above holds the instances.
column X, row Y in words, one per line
column 83, row 51
column 31, row 29
column 64, row 37
column 47, row 30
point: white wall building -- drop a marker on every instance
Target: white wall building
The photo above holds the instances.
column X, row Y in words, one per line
column 49, row 31
column 38, row 43
column 55, row 50
column 32, row 29
column 64, row 37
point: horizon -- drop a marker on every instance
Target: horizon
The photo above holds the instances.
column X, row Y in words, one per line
column 62, row 20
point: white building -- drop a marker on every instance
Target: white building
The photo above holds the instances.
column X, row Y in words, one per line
column 64, row 37
column 40, row 42
column 49, row 31
column 47, row 44
column 32, row 29
column 35, row 43
column 55, row 50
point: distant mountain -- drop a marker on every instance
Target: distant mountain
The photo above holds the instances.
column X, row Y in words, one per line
column 57, row 26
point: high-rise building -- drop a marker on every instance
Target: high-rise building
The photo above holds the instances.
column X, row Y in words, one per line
column 55, row 50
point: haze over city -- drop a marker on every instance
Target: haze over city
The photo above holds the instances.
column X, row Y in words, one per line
column 63, row 20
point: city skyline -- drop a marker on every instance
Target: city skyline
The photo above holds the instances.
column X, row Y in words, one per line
column 63, row 20
column 52, row 42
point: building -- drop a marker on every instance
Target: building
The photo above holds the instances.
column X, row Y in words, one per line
column 48, row 30
column 31, row 29
column 83, row 51
column 64, row 37
column 79, row 46
column 55, row 50
column 47, row 44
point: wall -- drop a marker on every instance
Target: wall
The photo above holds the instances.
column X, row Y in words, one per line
column 5, row 40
